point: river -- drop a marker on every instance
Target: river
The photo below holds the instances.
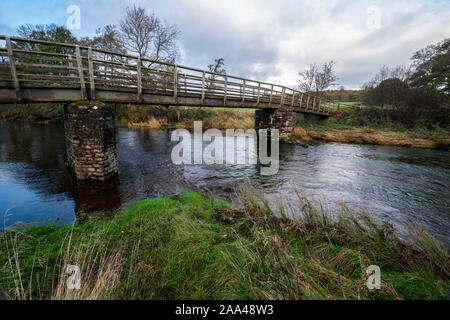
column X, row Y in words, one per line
column 405, row 186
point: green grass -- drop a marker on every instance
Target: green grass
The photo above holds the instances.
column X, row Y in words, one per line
column 194, row 247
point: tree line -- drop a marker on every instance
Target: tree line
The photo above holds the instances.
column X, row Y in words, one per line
column 418, row 94
column 138, row 33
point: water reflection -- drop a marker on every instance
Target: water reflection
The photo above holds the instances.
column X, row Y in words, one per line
column 405, row 186
column 93, row 197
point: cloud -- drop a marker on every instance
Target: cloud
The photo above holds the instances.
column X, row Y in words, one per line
column 272, row 40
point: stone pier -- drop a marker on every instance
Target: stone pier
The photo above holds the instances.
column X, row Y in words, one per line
column 281, row 119
column 91, row 140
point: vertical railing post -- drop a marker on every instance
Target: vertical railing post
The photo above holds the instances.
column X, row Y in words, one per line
column 12, row 65
column 139, row 80
column 293, row 97
column 175, row 84
column 203, row 87
column 81, row 73
column 314, row 104
column 300, row 100
column 259, row 90
column 91, row 74
column 70, row 64
column 225, row 91
column 271, row 94
column 243, row 92
column 283, row 91
column 307, row 102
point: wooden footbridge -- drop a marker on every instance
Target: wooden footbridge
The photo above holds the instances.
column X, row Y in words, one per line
column 42, row 71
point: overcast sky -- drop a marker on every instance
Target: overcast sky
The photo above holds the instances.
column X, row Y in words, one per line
column 269, row 40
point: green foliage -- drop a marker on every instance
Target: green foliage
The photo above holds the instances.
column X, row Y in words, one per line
column 415, row 95
column 193, row 247
column 432, row 67
column 50, row 32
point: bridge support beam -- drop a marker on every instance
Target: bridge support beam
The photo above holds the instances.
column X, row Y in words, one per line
column 91, row 140
column 281, row 119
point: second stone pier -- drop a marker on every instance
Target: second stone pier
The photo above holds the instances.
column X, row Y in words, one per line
column 281, row 119
column 91, row 140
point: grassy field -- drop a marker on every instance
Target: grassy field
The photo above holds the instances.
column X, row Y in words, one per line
column 194, row 247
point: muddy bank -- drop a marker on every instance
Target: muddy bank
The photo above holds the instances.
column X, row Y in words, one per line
column 372, row 136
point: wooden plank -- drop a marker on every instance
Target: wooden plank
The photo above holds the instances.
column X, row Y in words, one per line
column 80, row 73
column 307, row 102
column 283, row 92
column 12, row 65
column 139, row 80
column 259, row 90
column 45, row 77
column 175, row 84
column 243, row 92
column 91, row 74
column 225, row 91
column 203, row 87
column 271, row 94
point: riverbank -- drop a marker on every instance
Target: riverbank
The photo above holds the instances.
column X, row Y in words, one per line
column 372, row 136
column 155, row 117
column 340, row 127
column 346, row 127
column 194, row 247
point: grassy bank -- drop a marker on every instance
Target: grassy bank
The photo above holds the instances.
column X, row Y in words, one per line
column 349, row 125
column 155, row 117
column 193, row 247
column 184, row 117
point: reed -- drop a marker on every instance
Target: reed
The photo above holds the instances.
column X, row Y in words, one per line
column 195, row 247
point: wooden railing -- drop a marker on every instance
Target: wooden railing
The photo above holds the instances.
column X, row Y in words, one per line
column 35, row 64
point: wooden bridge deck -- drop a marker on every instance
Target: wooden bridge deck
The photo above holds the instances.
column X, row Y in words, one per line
column 42, row 71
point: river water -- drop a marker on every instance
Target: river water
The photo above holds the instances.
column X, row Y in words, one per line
column 404, row 186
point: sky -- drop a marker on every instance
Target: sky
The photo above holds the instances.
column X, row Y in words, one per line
column 268, row 40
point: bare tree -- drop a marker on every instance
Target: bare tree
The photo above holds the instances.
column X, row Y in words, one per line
column 326, row 77
column 307, row 78
column 399, row 72
column 147, row 36
column 107, row 38
column 216, row 67
column 318, row 79
column 165, row 46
